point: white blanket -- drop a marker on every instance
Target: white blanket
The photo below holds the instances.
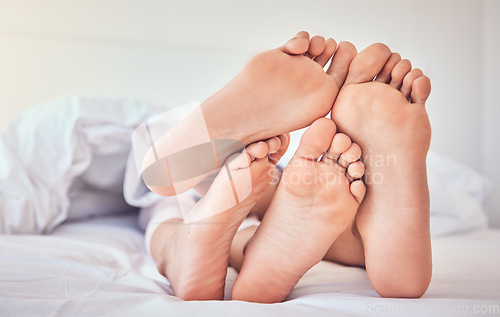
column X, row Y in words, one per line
column 66, row 159
column 70, row 158
column 99, row 267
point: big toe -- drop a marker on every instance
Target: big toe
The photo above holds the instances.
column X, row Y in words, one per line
column 317, row 139
column 368, row 63
column 297, row 45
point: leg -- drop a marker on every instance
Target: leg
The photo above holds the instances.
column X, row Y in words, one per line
column 313, row 204
column 387, row 117
column 267, row 98
column 194, row 255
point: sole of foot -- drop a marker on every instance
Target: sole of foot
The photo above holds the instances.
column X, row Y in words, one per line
column 315, row 201
column 382, row 107
column 194, row 256
column 278, row 91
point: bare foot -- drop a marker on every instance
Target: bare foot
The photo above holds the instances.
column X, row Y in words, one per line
column 278, row 91
column 387, row 118
column 315, row 201
column 194, row 256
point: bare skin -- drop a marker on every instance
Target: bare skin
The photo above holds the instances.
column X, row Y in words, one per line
column 389, row 235
column 280, row 90
column 382, row 108
column 194, row 256
column 314, row 203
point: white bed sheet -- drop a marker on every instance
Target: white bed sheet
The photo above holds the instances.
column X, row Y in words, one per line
column 99, row 267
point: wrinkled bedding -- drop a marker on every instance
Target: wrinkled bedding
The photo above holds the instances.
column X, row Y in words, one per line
column 71, row 244
column 99, row 267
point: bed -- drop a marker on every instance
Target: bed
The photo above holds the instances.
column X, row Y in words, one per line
column 95, row 264
column 99, row 267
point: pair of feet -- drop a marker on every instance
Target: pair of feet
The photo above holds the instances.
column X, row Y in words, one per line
column 319, row 210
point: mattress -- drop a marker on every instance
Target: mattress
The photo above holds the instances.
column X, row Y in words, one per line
column 99, row 267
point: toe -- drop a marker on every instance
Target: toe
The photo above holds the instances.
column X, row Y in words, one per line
column 385, row 74
column 399, row 72
column 284, row 143
column 273, row 144
column 244, row 176
column 339, row 67
column 340, row 144
column 238, row 161
column 408, row 81
column 316, row 140
column 368, row 63
column 326, row 55
column 356, row 170
column 297, row 45
column 421, row 90
column 257, row 150
column 316, row 46
column 352, row 154
column 358, row 190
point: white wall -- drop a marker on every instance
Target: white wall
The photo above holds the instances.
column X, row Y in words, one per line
column 175, row 52
column 491, row 103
